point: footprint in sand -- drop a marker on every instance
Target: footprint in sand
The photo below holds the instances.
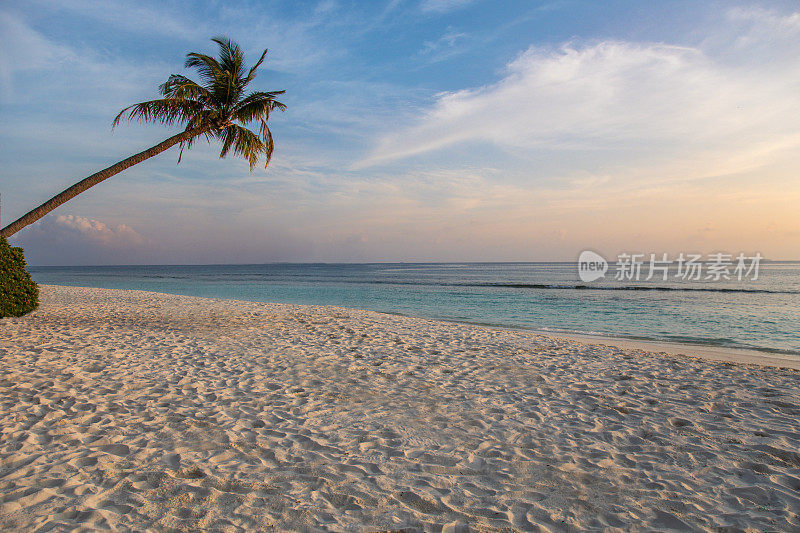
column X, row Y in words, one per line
column 120, row 450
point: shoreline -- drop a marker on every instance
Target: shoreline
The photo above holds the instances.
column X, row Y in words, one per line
column 133, row 410
column 701, row 351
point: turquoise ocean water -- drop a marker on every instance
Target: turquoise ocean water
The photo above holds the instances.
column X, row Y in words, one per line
column 762, row 314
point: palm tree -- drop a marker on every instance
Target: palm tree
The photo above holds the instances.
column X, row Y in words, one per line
column 210, row 109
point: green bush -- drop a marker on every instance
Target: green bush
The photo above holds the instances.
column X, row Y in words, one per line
column 19, row 295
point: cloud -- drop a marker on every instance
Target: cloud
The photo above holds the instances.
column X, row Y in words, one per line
column 446, row 42
column 83, row 230
column 626, row 96
column 443, row 6
column 293, row 42
column 22, row 49
column 55, row 74
column 134, row 17
column 72, row 239
column 94, row 231
column 759, row 22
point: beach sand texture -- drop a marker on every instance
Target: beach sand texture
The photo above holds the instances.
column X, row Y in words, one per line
column 135, row 410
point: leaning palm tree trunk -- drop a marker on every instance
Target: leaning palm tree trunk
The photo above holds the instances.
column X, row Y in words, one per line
column 94, row 179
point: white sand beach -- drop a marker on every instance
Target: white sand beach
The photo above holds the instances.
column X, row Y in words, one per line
column 130, row 410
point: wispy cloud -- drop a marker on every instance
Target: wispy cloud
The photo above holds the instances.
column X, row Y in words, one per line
column 135, row 17
column 443, row 6
column 293, row 42
column 444, row 45
column 24, row 49
column 615, row 95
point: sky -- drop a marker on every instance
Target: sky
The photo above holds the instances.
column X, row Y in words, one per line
column 416, row 130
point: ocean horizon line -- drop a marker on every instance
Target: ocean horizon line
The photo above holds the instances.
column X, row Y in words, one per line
column 574, row 261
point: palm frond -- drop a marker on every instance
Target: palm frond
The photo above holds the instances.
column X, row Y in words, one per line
column 228, row 87
column 257, row 105
column 228, row 135
column 204, row 116
column 245, row 144
column 178, row 86
column 231, row 56
column 269, row 146
column 252, row 73
column 208, row 67
column 167, row 111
